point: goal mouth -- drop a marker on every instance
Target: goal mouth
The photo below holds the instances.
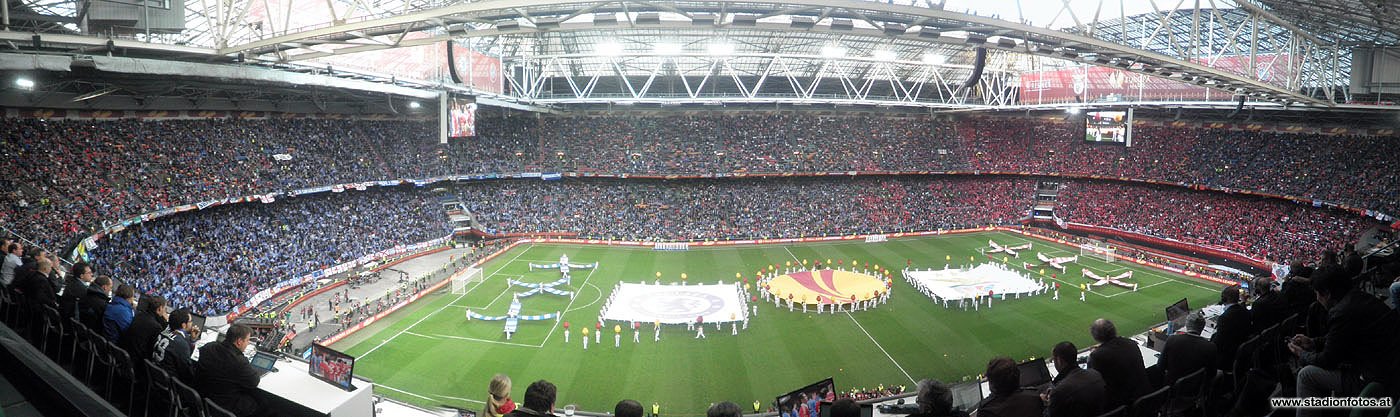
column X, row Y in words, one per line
column 463, row 280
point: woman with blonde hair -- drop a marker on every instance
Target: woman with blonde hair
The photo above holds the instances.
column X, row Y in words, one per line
column 498, row 401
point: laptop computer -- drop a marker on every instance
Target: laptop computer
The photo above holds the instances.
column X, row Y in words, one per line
column 1034, row 373
column 967, row 395
column 263, row 363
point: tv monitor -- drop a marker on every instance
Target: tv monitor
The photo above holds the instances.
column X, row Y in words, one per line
column 198, row 320
column 1034, row 373
column 967, row 395
column 1176, row 315
column 806, row 401
column 331, row 366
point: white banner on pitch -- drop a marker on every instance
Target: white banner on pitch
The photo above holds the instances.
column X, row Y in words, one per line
column 675, row 304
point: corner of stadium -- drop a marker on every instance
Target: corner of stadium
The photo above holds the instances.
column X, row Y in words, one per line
column 429, row 208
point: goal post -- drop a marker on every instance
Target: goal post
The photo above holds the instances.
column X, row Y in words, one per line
column 463, row 279
column 1097, row 249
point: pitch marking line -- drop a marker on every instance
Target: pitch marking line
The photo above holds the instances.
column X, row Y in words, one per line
column 571, row 304
column 794, row 257
column 460, row 399
column 595, row 299
column 882, row 348
column 473, row 339
column 399, row 390
column 420, row 320
column 420, row 335
column 1143, row 288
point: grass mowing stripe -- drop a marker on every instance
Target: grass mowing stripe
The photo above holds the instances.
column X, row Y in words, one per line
column 882, row 348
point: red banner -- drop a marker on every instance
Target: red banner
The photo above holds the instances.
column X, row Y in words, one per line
column 1094, row 83
column 477, row 70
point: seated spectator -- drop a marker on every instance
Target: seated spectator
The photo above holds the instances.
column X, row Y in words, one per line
column 1119, row 361
column 1007, row 398
column 628, row 408
column 1077, row 391
column 498, row 402
column 1268, row 307
column 34, row 283
column 140, row 337
column 724, row 409
column 934, row 400
column 1362, row 336
column 174, row 347
column 80, row 276
column 224, row 376
column 1187, row 352
column 119, row 313
column 92, row 308
column 539, row 400
column 1231, row 328
column 12, row 262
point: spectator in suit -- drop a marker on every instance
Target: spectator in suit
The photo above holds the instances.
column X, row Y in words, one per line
column 1077, row 391
column 1268, row 307
column 1186, row 352
column 175, row 346
column 1360, row 341
column 1232, row 328
column 34, row 283
column 539, row 400
column 1008, row 399
column 629, row 408
column 119, row 313
column 224, row 376
column 934, row 400
column 80, row 276
column 1120, row 363
column 140, row 338
column 93, row 305
column 723, row 409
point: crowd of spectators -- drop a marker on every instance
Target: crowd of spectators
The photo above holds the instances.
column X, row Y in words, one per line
column 1272, row 228
column 1352, row 169
column 721, row 209
column 212, row 260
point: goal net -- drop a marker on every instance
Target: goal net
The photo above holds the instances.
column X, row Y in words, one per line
column 1097, row 249
column 463, row 279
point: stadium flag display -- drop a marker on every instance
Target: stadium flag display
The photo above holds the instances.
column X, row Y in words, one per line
column 475, row 70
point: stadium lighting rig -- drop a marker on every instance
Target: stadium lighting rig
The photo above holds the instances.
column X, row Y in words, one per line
column 934, row 59
column 24, row 83
column 884, row 55
column 833, row 52
column 720, row 49
column 667, row 48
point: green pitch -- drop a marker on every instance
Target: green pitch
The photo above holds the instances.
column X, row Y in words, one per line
column 429, row 354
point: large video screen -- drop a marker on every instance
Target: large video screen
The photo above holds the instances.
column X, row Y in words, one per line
column 461, row 118
column 1110, row 126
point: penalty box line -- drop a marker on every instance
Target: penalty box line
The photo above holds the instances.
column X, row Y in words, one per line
column 439, row 310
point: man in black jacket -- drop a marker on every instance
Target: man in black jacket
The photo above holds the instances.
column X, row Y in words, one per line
column 539, row 400
column 1231, row 329
column 1184, row 353
column 75, row 285
column 1077, row 391
column 175, row 346
column 1269, row 306
column 1120, row 362
column 94, row 303
column 150, row 320
column 224, row 376
column 35, row 285
column 1008, row 399
column 1360, row 341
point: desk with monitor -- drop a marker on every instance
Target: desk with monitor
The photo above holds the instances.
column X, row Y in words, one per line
column 293, row 391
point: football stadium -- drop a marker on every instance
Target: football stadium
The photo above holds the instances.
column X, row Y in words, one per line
column 648, row 208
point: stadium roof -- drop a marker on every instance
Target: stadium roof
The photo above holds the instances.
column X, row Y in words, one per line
column 908, row 53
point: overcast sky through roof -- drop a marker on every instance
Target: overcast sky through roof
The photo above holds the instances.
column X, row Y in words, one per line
column 1052, row 13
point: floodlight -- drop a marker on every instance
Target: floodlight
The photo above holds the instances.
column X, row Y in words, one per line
column 414, row 105
column 884, row 55
column 24, row 83
column 1072, row 110
column 935, row 59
